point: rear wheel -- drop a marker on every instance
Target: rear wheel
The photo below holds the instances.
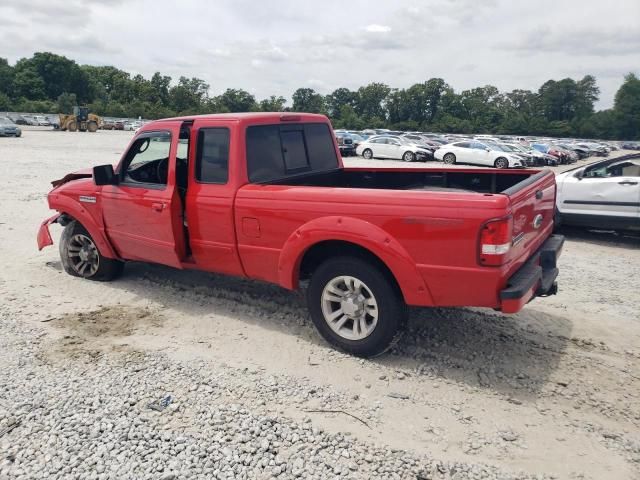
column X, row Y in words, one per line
column 355, row 306
column 368, row 154
column 409, row 156
column 92, row 126
column 449, row 159
column 81, row 258
column 72, row 126
column 501, row 163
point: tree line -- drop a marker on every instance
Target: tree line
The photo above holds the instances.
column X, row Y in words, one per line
column 51, row 83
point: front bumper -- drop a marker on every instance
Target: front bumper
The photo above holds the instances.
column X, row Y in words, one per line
column 536, row 278
column 44, row 237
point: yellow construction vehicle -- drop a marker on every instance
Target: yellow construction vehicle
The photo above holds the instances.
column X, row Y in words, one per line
column 81, row 120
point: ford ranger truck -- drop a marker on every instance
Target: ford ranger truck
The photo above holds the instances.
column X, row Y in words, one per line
column 266, row 196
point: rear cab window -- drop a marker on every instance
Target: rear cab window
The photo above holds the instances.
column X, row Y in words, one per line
column 278, row 151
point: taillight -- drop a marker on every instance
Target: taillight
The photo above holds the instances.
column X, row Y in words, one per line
column 495, row 241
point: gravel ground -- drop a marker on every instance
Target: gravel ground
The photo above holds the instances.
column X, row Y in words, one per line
column 171, row 374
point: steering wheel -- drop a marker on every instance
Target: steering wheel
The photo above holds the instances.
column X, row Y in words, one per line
column 162, row 170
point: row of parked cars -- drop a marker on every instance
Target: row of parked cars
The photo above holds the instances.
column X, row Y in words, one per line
column 127, row 125
column 484, row 150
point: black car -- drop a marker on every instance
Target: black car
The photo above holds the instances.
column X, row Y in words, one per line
column 346, row 144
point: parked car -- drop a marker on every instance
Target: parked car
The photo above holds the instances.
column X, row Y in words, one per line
column 18, row 119
column 477, row 153
column 108, row 125
column 269, row 199
column 345, row 144
column 562, row 157
column 605, row 195
column 8, row 128
column 631, row 145
column 42, row 121
column 391, row 147
column 541, row 159
column 118, row 125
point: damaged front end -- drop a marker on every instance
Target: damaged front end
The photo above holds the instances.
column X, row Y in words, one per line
column 44, row 236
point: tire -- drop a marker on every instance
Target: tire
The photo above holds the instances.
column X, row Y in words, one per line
column 92, row 127
column 409, row 156
column 501, row 163
column 81, row 258
column 367, row 153
column 72, row 126
column 449, row 159
column 377, row 314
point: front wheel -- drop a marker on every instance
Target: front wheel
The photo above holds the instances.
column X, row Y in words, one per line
column 409, row 156
column 449, row 159
column 355, row 306
column 368, row 154
column 81, row 258
column 501, row 163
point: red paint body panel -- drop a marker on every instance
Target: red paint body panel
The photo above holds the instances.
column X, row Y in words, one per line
column 429, row 240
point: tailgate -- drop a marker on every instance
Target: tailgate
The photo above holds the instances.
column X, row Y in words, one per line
column 532, row 209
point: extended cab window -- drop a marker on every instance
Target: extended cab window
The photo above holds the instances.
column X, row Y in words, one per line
column 276, row 151
column 147, row 160
column 212, row 160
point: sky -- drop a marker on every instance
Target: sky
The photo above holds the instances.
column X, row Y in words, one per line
column 273, row 47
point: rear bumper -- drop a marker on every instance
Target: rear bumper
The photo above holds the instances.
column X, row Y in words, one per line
column 536, row 278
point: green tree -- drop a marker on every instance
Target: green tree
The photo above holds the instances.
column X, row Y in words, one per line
column 338, row 99
column 237, row 100
column 307, row 100
column 371, row 101
column 66, row 102
column 273, row 104
column 626, row 108
column 6, row 77
column 58, row 74
column 28, row 84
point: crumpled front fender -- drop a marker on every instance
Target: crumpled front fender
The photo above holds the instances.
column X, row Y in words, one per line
column 44, row 237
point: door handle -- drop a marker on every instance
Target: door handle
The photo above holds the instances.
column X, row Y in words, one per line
column 627, row 182
column 157, row 206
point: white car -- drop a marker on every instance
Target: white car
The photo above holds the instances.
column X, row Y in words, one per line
column 477, row 153
column 392, row 147
column 605, row 195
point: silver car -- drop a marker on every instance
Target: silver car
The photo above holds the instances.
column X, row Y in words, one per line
column 8, row 128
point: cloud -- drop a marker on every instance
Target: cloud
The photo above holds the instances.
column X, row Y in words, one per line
column 375, row 28
column 588, row 42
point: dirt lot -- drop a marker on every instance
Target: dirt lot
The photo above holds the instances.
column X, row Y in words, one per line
column 553, row 392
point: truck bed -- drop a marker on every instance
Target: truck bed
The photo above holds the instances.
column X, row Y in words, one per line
column 467, row 180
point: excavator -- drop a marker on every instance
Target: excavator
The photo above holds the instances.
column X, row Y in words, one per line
column 81, row 120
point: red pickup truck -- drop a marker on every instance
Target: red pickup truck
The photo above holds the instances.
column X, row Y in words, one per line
column 265, row 196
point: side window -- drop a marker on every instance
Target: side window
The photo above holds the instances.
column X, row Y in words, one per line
column 394, row 142
column 478, row 146
column 212, row 157
column 148, row 160
column 463, row 145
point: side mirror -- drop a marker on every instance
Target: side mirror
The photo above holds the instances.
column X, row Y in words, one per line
column 104, row 175
column 488, row 149
column 579, row 174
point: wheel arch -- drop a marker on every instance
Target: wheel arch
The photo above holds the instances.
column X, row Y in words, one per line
column 334, row 236
column 72, row 209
